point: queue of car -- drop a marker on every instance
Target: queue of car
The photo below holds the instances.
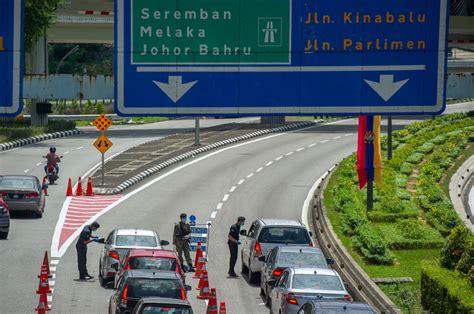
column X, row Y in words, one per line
column 295, row 276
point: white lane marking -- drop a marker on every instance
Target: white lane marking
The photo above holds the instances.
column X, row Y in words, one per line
column 325, row 141
column 348, row 134
column 54, row 245
column 312, row 145
column 214, row 214
column 289, row 154
column 300, row 149
column 50, row 299
column 225, row 198
column 26, row 170
column 39, row 163
column 232, row 189
column 65, row 153
column 52, row 282
column 80, row 147
column 259, row 169
column 52, row 268
column 219, row 206
column 241, row 181
column 54, row 262
column 53, row 276
column 337, row 137
column 278, row 158
column 268, row 163
column 249, row 176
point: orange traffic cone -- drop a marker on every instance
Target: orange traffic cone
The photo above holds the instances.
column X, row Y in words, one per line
column 43, row 307
column 212, row 305
column 43, row 287
column 222, row 309
column 46, row 261
column 79, row 187
column 199, row 266
column 200, row 278
column 204, row 293
column 198, row 254
column 89, row 191
column 69, row 188
column 45, row 190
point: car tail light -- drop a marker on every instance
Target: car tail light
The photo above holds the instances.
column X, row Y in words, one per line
column 348, row 297
column 311, row 243
column 178, row 270
column 114, row 254
column 123, row 301
column 290, row 298
column 32, row 195
column 4, row 209
column 277, row 272
column 258, row 249
column 183, row 294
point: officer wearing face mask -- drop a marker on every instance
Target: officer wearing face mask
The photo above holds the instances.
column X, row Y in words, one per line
column 233, row 242
column 181, row 239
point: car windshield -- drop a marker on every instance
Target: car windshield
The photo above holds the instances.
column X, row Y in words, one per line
column 148, row 287
column 284, row 235
column 316, row 282
column 158, row 309
column 157, row 263
column 16, row 183
column 304, row 259
column 135, row 240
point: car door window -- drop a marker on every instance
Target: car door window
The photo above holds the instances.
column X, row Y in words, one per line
column 271, row 256
column 252, row 231
column 283, row 280
column 110, row 238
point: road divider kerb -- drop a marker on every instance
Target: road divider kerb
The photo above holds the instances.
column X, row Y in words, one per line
column 36, row 139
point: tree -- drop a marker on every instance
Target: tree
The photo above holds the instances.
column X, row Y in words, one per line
column 454, row 247
column 39, row 15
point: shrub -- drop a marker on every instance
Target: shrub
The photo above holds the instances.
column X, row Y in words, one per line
column 426, row 148
column 403, row 195
column 380, row 216
column 406, row 168
column 372, row 246
column 415, row 158
column 470, row 276
column 401, row 180
column 60, row 125
column 454, row 247
column 466, row 262
column 440, row 139
column 443, row 291
column 351, row 219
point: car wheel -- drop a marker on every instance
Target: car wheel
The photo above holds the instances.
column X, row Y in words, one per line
column 253, row 277
column 268, row 300
column 244, row 268
column 38, row 214
column 3, row 235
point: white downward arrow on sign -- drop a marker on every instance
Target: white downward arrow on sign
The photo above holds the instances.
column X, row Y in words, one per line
column 175, row 89
column 386, row 88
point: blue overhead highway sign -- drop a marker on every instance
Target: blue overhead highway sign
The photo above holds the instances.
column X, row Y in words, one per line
column 280, row 57
column 11, row 57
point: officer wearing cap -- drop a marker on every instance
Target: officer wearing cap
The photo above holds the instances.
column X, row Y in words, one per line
column 181, row 238
column 233, row 242
column 81, row 246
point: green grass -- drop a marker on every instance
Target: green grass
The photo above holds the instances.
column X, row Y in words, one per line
column 14, row 130
column 136, row 120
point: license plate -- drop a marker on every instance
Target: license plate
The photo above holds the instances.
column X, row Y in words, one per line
column 16, row 196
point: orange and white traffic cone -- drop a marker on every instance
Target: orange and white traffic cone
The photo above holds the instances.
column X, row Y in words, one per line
column 205, row 293
column 201, row 262
column 89, row 191
column 69, row 188
column 79, row 187
column 198, row 254
column 200, row 278
column 212, row 304
column 43, row 307
column 46, row 261
column 222, row 309
column 43, row 287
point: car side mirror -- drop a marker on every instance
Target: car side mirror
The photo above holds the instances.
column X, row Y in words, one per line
column 310, row 233
column 164, row 242
column 271, row 283
column 330, row 261
column 243, row 233
column 115, row 266
column 262, row 258
column 188, row 287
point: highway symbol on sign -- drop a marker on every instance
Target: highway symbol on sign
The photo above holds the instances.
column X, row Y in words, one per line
column 103, row 144
column 280, row 57
column 102, row 123
column 11, row 57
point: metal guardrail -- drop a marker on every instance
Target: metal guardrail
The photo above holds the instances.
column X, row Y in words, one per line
column 361, row 286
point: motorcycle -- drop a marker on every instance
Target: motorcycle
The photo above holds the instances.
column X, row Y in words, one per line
column 51, row 173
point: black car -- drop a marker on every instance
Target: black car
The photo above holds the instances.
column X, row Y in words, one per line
column 136, row 284
column 335, row 307
column 162, row 305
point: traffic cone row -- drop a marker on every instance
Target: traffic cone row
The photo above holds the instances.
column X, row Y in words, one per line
column 199, row 267
column 200, row 277
column 212, row 304
column 43, row 287
column 79, row 191
column 199, row 254
column 206, row 293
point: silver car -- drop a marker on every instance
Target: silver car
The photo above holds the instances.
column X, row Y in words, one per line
column 282, row 257
column 297, row 286
column 23, row 193
column 117, row 245
column 264, row 235
column 4, row 220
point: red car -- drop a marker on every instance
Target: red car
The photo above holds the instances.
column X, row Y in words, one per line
column 150, row 259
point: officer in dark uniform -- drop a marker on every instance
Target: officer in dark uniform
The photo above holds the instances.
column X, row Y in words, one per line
column 233, row 243
column 81, row 246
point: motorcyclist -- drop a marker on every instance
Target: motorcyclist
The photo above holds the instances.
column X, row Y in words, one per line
column 52, row 160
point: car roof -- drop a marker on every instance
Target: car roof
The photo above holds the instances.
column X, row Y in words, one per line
column 157, row 300
column 148, row 273
column 342, row 305
column 280, row 222
column 152, row 253
column 296, row 249
column 141, row 232
column 313, row 270
column 17, row 177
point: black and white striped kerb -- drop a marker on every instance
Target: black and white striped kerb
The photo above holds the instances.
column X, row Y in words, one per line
column 38, row 138
column 144, row 174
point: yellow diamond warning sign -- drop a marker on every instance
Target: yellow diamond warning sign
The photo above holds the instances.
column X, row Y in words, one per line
column 103, row 144
column 102, row 122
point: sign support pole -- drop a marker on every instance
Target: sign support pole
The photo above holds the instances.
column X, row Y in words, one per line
column 197, row 132
column 389, row 142
column 370, row 195
column 103, row 171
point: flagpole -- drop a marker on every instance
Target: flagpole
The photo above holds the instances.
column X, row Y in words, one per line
column 370, row 194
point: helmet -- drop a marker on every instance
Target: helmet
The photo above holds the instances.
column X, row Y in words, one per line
column 183, row 215
column 52, row 149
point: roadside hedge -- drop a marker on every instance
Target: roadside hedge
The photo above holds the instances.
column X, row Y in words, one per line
column 444, row 291
column 372, row 246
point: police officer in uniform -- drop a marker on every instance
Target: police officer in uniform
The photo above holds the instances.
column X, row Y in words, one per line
column 233, row 242
column 181, row 238
column 81, row 246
